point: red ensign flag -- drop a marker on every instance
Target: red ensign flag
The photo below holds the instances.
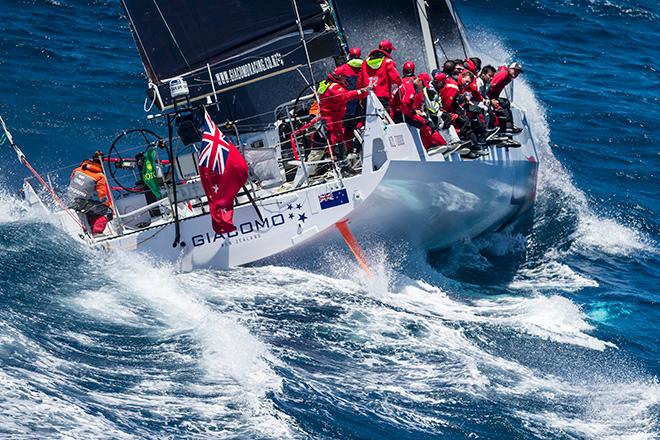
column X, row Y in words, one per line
column 223, row 172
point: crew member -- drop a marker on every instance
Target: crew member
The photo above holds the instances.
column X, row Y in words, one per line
column 88, row 193
column 485, row 77
column 351, row 68
column 452, row 101
column 333, row 97
column 449, row 91
column 354, row 111
column 458, row 69
column 502, row 105
column 380, row 68
column 448, row 68
column 472, row 99
column 412, row 100
column 483, row 85
column 473, row 88
column 408, row 70
column 442, row 118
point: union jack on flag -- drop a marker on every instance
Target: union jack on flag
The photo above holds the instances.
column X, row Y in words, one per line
column 215, row 153
column 326, row 197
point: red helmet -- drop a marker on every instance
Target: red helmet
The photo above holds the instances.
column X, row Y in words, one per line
column 426, row 79
column 469, row 65
column 408, row 68
column 386, row 45
column 354, row 52
column 440, row 77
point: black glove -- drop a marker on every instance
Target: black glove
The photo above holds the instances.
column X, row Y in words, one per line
column 446, row 120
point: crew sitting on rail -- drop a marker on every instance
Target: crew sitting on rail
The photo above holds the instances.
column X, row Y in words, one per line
column 457, row 104
column 472, row 98
column 485, row 77
column 88, row 193
column 411, row 94
column 501, row 105
column 449, row 68
column 472, row 64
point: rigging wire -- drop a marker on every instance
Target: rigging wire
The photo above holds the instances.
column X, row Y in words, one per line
column 150, row 69
column 424, row 12
column 172, row 35
column 21, row 157
column 311, row 73
column 458, row 26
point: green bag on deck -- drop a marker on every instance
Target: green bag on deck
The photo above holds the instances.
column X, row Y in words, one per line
column 149, row 171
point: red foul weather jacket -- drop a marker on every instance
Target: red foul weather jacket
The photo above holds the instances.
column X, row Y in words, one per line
column 351, row 70
column 448, row 95
column 473, row 90
column 499, row 82
column 411, row 99
column 333, row 99
column 381, row 66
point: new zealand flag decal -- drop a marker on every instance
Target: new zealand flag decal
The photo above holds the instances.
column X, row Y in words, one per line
column 334, row 198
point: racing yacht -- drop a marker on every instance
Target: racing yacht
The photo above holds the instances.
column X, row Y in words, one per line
column 254, row 70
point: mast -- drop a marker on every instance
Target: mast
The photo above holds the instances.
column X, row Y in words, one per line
column 429, row 48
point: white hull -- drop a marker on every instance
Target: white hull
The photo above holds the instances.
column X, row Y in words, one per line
column 426, row 201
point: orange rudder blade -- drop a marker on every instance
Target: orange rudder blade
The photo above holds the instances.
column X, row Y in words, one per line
column 353, row 245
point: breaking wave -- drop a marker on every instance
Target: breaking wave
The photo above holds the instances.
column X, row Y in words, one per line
column 119, row 346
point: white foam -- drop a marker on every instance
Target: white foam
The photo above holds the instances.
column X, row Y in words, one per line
column 31, row 406
column 231, row 358
column 12, row 208
column 609, row 411
column 409, row 339
column 555, row 318
column 594, row 232
column 551, row 275
column 607, row 236
column 33, row 401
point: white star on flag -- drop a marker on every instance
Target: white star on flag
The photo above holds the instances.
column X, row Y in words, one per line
column 215, row 189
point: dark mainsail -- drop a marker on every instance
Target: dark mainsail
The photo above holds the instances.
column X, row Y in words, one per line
column 249, row 54
column 217, row 46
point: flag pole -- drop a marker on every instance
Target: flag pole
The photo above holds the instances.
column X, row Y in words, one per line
column 175, row 208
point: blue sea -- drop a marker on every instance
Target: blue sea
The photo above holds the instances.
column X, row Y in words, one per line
column 547, row 330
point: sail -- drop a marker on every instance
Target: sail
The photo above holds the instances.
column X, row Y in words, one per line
column 447, row 31
column 218, row 46
column 416, row 27
column 366, row 22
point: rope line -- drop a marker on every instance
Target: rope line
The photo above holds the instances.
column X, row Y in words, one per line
column 172, row 35
column 55, row 197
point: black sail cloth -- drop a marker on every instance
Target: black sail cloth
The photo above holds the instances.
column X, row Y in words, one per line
column 219, row 46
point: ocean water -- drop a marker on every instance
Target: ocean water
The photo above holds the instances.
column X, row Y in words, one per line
column 546, row 330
